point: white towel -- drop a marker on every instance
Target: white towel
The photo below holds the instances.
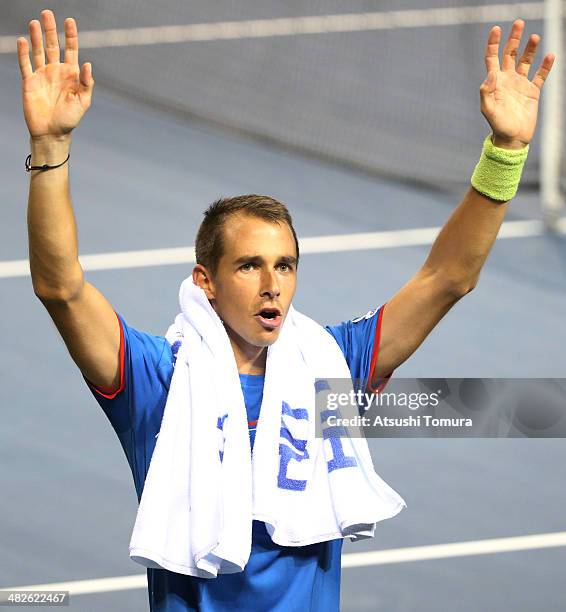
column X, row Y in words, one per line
column 203, row 487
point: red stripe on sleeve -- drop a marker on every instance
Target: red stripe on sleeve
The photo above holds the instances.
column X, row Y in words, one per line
column 108, row 393
column 375, row 354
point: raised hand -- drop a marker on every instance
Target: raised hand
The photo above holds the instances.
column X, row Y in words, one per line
column 56, row 94
column 509, row 100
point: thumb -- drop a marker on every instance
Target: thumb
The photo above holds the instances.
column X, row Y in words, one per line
column 85, row 77
column 490, row 81
column 487, row 90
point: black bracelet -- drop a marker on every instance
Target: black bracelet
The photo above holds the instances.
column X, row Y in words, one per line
column 29, row 167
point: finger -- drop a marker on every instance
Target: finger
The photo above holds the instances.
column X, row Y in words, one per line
column 486, row 92
column 492, row 49
column 512, row 46
column 23, row 57
column 528, row 56
column 51, row 41
column 544, row 69
column 71, row 42
column 36, row 44
column 85, row 77
column 86, row 85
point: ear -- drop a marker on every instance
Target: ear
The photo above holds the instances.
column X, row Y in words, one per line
column 203, row 279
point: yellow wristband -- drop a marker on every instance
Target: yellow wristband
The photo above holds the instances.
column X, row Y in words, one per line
column 498, row 173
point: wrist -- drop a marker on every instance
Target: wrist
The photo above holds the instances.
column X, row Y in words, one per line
column 498, row 172
column 49, row 149
column 506, row 143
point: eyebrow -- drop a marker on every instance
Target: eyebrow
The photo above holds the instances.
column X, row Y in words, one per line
column 258, row 259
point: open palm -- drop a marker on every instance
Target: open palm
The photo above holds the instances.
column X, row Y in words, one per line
column 509, row 100
column 57, row 94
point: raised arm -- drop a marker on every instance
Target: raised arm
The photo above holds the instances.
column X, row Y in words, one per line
column 509, row 102
column 55, row 96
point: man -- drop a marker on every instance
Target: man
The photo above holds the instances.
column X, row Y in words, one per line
column 247, row 262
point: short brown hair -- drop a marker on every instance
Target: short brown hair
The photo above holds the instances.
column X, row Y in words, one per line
column 209, row 244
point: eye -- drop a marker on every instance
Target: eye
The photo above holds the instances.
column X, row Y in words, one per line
column 247, row 267
column 285, row 267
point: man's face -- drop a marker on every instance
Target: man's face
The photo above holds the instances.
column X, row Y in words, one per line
column 255, row 280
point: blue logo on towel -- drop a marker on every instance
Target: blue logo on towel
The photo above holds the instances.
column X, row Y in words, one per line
column 174, row 350
column 290, row 447
column 220, row 426
column 334, row 433
column 293, row 448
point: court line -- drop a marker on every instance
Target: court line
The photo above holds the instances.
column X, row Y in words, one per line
column 377, row 557
column 316, row 244
column 455, row 549
column 292, row 26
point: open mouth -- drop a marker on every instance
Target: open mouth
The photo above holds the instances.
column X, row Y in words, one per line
column 269, row 318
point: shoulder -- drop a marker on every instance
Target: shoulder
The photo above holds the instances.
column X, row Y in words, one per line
column 147, row 356
column 140, row 343
column 357, row 339
column 369, row 314
column 361, row 328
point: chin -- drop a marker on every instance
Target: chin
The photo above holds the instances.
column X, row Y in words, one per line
column 267, row 338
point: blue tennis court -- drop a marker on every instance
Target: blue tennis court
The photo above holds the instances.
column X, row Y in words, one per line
column 140, row 180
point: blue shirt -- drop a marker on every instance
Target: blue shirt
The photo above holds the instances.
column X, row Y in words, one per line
column 276, row 578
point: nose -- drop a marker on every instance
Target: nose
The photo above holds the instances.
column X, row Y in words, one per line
column 269, row 284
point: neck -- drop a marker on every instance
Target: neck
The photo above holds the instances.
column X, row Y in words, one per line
column 249, row 359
